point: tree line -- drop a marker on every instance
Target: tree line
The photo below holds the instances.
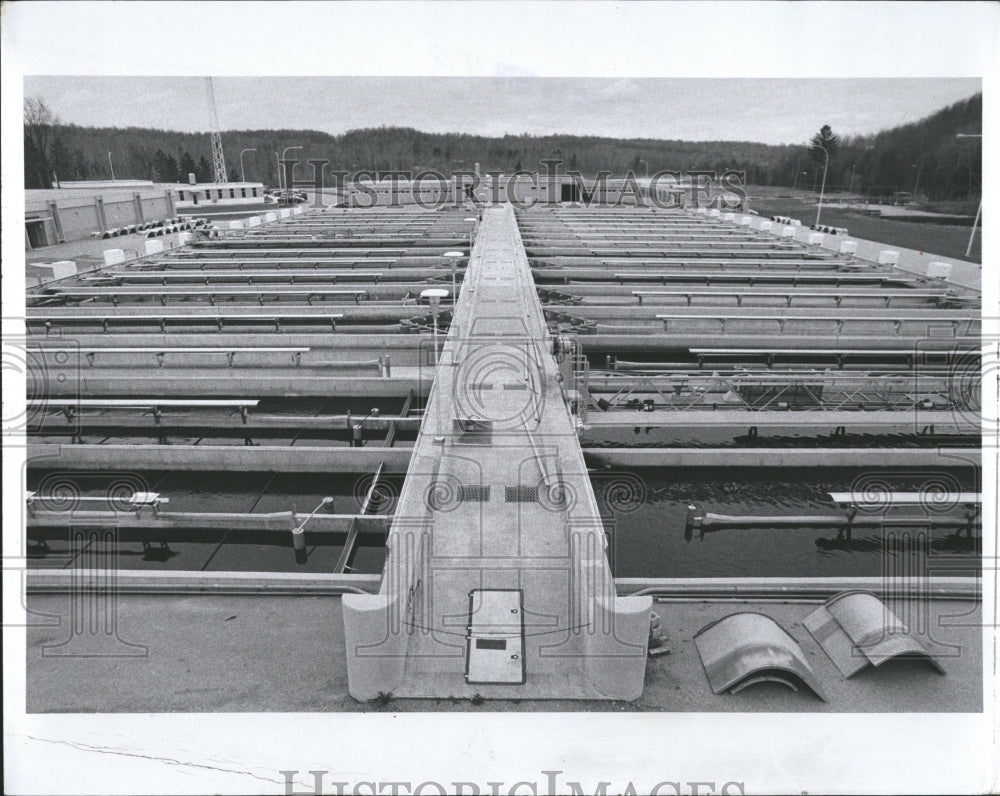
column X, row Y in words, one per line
column 924, row 157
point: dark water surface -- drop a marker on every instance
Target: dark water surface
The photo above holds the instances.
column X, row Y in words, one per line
column 644, row 512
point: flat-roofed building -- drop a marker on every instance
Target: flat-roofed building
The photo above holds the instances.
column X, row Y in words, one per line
column 74, row 211
column 216, row 194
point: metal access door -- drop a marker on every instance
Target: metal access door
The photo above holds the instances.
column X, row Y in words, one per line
column 495, row 639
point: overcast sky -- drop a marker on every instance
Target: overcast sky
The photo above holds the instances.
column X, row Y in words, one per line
column 769, row 111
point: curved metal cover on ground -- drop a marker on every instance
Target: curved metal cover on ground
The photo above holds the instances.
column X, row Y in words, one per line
column 856, row 628
column 744, row 648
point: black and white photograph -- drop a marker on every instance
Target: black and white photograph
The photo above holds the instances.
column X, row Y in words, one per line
column 499, row 398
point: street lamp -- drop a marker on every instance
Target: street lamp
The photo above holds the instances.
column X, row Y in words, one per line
column 434, row 296
column 979, row 212
column 112, row 165
column 826, row 162
column 918, row 167
column 284, row 152
column 243, row 176
column 453, row 258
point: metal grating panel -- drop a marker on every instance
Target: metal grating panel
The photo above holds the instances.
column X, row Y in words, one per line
column 475, row 493
column 522, row 494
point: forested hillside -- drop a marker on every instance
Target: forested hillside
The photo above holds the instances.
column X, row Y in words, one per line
column 925, row 155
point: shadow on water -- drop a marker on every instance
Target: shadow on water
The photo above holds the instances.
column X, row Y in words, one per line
column 644, row 512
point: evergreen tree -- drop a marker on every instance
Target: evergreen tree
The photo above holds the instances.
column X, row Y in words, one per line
column 204, row 170
column 164, row 167
column 187, row 167
column 824, row 140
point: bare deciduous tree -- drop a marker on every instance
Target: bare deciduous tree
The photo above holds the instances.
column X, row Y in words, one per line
column 38, row 124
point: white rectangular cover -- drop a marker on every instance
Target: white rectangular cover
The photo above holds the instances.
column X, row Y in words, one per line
column 495, row 642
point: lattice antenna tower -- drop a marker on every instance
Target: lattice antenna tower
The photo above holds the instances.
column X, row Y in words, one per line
column 218, row 158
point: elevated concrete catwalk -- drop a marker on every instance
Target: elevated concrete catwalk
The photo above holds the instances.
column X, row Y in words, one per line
column 497, row 498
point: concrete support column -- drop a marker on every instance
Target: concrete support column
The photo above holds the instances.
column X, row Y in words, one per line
column 57, row 222
column 140, row 218
column 102, row 219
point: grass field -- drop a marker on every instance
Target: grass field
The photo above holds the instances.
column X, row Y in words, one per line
column 948, row 241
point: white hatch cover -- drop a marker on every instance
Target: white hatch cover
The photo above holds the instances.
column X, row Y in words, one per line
column 495, row 641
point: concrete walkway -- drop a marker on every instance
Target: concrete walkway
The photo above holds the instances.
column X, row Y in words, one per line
column 497, row 497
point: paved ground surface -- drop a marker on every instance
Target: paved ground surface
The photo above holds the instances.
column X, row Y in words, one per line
column 90, row 252
column 269, row 653
column 964, row 273
column 946, row 240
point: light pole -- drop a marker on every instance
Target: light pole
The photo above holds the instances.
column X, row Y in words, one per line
column 112, row 165
column 979, row 212
column 645, row 169
column 243, row 175
column 453, row 258
column 919, row 165
column 284, row 152
column 278, row 161
column 434, row 296
column 826, row 162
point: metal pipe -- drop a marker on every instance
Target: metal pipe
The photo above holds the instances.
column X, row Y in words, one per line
column 299, row 535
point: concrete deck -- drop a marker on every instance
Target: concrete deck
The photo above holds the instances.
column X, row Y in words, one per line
column 581, row 642
column 267, row 653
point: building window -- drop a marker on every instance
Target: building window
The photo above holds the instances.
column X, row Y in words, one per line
column 254, row 191
column 243, row 193
column 232, row 193
column 180, row 194
column 220, row 193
